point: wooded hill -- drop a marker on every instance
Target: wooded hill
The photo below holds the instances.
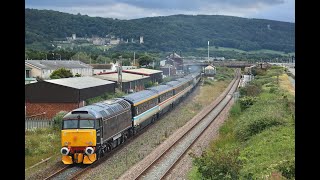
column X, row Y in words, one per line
column 164, row 33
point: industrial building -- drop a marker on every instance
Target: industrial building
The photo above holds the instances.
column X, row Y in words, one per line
column 130, row 82
column 155, row 75
column 49, row 97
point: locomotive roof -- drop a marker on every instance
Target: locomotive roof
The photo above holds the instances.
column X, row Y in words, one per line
column 101, row 109
column 137, row 97
column 160, row 89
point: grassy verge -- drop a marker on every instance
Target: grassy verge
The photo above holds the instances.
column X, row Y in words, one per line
column 257, row 140
column 41, row 144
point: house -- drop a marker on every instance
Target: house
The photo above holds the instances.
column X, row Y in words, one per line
column 176, row 60
column 44, row 68
column 49, row 97
column 168, row 70
column 27, row 75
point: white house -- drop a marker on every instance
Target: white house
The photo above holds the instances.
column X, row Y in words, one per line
column 44, row 68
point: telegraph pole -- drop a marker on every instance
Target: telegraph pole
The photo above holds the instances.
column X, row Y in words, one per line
column 208, row 50
column 134, row 58
column 120, row 73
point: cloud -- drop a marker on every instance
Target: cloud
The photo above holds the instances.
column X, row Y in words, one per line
column 132, row 9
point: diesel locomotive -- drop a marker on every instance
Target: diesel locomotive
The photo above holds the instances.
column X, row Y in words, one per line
column 91, row 131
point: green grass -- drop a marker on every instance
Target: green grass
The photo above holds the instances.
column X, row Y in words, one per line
column 41, row 144
column 267, row 152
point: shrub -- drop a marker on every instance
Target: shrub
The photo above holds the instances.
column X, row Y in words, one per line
column 250, row 90
column 219, row 165
column 246, row 102
column 287, row 169
column 57, row 119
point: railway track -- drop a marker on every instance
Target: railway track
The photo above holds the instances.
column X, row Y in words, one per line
column 158, row 164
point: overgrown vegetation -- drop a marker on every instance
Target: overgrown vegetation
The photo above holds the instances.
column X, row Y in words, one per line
column 42, row 143
column 257, row 141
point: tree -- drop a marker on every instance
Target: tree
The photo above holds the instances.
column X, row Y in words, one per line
column 145, row 60
column 61, row 73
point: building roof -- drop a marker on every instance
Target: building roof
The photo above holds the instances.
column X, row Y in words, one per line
column 209, row 67
column 126, row 77
column 27, row 67
column 101, row 66
column 79, row 82
column 55, row 64
column 144, row 71
column 175, row 56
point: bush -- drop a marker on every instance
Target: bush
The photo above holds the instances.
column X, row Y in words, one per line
column 57, row 119
column 219, row 165
column 273, row 90
column 246, row 102
column 250, row 90
column 287, row 169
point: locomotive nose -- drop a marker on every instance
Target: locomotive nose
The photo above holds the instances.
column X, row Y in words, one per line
column 64, row 151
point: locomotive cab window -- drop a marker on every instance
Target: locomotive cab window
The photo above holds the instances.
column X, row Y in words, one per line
column 78, row 124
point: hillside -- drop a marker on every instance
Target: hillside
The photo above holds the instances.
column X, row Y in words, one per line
column 165, row 33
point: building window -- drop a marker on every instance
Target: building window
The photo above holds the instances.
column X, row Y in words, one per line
column 27, row 73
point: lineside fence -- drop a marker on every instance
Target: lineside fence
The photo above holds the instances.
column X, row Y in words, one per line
column 33, row 123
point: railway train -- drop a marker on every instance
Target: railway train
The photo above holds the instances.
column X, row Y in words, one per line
column 91, row 131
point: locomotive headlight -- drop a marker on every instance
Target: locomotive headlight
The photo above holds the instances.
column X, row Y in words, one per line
column 64, row 151
column 89, row 150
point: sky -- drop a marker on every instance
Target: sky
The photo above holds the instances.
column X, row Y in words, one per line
column 279, row 10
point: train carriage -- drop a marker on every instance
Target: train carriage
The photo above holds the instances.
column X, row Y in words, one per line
column 144, row 107
column 165, row 97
